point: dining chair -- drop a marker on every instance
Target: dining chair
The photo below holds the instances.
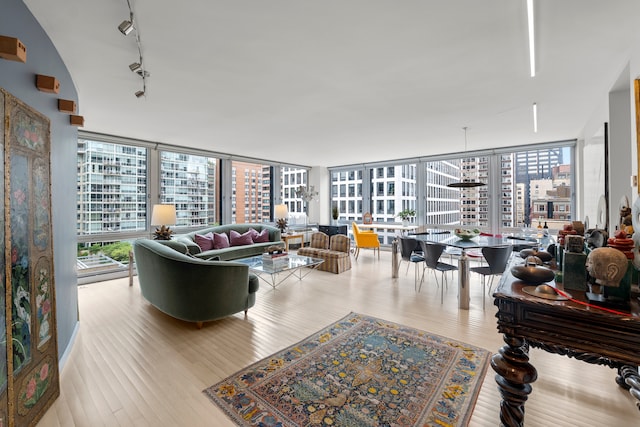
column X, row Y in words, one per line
column 497, row 259
column 408, row 248
column 365, row 239
column 432, row 253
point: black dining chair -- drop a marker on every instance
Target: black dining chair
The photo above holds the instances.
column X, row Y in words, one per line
column 432, row 255
column 497, row 259
column 411, row 252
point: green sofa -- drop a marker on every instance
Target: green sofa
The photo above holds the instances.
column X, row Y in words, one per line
column 233, row 252
column 192, row 289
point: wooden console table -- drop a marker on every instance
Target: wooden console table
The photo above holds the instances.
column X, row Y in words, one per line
column 562, row 327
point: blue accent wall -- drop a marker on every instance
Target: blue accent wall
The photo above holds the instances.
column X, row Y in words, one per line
column 19, row 79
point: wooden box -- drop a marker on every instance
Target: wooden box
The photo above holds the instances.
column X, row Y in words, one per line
column 76, row 120
column 47, row 84
column 12, row 49
column 67, row 106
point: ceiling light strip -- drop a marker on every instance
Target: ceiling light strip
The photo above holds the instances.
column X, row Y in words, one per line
column 532, row 38
column 535, row 117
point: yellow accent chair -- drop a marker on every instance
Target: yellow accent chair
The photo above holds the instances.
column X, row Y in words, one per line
column 365, row 239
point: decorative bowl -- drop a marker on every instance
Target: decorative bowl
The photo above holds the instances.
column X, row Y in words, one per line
column 543, row 255
column 466, row 234
column 532, row 274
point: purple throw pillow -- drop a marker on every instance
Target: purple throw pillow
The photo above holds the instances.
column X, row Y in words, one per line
column 204, row 241
column 220, row 241
column 238, row 239
column 262, row 236
column 254, row 233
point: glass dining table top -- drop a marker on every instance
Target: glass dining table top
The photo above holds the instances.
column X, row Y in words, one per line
column 450, row 239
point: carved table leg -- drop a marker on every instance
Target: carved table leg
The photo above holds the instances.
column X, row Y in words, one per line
column 514, row 377
column 629, row 379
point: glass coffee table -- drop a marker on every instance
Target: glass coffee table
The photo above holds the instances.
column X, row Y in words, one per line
column 277, row 274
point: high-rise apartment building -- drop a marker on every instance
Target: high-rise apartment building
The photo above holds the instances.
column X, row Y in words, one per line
column 112, row 187
column 250, row 200
column 442, row 202
column 346, row 194
column 392, row 189
column 189, row 183
column 290, row 180
column 508, row 194
column 532, row 165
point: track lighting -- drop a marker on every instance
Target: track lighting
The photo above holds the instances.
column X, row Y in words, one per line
column 126, row 27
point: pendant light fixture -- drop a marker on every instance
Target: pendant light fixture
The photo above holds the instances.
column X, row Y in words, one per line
column 464, row 182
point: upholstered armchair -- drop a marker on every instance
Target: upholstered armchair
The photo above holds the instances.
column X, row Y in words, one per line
column 365, row 239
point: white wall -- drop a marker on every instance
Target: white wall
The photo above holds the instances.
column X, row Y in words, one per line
column 18, row 78
column 320, row 209
column 619, row 152
column 618, row 109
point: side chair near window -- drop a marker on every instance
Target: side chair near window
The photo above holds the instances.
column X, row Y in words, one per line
column 408, row 252
column 497, row 259
column 365, row 239
column 432, row 253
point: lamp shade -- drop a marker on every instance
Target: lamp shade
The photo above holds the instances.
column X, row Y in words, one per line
column 163, row 215
column 281, row 211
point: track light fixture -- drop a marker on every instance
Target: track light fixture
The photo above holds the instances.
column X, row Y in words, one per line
column 126, row 27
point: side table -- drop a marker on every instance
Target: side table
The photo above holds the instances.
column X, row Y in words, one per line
column 286, row 237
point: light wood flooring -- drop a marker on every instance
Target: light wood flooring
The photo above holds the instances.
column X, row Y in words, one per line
column 131, row 365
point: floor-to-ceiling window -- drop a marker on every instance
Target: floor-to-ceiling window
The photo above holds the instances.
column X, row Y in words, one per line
column 519, row 188
column 112, row 203
column 543, row 185
column 347, row 195
column 112, row 187
column 190, row 183
column 119, row 181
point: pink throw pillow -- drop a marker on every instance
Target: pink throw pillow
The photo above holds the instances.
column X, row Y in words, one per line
column 254, row 233
column 262, row 236
column 204, row 241
column 220, row 241
column 238, row 239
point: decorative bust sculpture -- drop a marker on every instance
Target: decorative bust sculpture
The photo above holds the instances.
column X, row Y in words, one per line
column 607, row 266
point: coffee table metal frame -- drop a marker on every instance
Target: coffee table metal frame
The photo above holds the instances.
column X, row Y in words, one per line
column 270, row 275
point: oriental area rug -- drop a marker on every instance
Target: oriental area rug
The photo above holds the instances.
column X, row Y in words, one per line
column 359, row 371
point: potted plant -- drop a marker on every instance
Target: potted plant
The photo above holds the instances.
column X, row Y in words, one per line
column 405, row 215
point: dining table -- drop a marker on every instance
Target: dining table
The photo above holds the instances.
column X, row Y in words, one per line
column 447, row 238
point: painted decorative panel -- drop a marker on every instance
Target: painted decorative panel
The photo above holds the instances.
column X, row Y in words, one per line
column 3, row 281
column 29, row 380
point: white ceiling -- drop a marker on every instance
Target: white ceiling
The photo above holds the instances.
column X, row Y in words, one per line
column 334, row 82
